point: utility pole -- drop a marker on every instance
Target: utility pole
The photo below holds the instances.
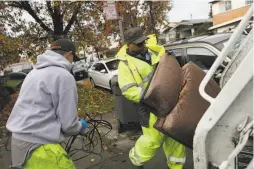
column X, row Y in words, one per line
column 121, row 30
column 120, row 22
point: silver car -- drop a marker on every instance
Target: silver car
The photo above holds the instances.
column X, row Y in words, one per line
column 101, row 72
column 202, row 50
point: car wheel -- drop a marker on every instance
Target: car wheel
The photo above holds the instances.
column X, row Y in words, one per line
column 110, row 86
column 92, row 82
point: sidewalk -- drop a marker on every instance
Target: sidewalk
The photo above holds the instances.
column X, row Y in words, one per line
column 116, row 156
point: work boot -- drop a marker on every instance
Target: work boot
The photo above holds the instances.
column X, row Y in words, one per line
column 137, row 167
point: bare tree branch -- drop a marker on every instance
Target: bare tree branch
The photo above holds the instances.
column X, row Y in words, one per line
column 73, row 19
column 26, row 6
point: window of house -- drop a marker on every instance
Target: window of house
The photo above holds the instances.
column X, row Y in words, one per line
column 202, row 57
column 249, row 2
column 228, row 5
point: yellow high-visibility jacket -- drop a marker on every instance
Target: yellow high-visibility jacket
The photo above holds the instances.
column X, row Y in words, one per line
column 134, row 73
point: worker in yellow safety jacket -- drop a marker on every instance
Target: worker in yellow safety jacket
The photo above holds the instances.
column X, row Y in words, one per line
column 138, row 58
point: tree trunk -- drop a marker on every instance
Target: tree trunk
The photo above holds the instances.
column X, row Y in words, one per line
column 97, row 52
column 58, row 23
column 152, row 17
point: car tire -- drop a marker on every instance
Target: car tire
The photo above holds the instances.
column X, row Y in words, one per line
column 92, row 83
column 110, row 85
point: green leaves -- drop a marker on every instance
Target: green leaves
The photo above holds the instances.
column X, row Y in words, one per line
column 82, row 21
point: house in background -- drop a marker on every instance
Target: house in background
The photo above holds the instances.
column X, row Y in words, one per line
column 227, row 14
column 184, row 29
column 166, row 34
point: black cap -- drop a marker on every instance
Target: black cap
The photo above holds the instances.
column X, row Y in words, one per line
column 134, row 35
column 65, row 45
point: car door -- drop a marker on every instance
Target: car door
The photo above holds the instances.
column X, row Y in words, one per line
column 201, row 56
column 178, row 53
column 105, row 77
column 99, row 74
column 93, row 73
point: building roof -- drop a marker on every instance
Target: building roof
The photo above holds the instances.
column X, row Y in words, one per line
column 171, row 25
column 174, row 25
column 195, row 21
column 226, row 23
column 192, row 22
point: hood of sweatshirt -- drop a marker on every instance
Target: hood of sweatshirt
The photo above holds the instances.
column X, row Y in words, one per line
column 51, row 58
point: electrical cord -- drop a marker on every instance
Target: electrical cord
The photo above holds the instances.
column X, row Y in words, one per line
column 91, row 139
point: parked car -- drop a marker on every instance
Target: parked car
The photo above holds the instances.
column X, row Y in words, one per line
column 10, row 84
column 19, row 67
column 202, row 50
column 5, row 96
column 80, row 70
column 101, row 72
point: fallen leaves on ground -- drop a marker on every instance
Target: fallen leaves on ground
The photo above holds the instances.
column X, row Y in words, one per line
column 93, row 100
column 8, row 108
column 5, row 113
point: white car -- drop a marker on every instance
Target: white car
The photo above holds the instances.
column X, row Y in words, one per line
column 101, row 72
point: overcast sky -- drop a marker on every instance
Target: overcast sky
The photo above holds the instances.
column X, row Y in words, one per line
column 182, row 10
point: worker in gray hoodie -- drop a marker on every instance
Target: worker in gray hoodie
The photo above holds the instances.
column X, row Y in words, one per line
column 46, row 111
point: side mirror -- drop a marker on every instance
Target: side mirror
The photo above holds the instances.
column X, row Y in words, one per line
column 103, row 71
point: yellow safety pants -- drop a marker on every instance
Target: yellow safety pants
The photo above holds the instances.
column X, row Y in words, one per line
column 49, row 156
column 148, row 144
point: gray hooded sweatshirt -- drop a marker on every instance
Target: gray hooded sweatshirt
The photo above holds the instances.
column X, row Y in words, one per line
column 46, row 109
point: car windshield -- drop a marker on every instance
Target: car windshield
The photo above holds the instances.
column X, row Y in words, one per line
column 112, row 65
column 222, row 44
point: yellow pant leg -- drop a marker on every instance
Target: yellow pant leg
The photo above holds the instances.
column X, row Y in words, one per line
column 49, row 156
column 175, row 153
column 147, row 144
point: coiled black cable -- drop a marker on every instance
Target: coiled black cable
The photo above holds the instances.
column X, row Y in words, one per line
column 91, row 139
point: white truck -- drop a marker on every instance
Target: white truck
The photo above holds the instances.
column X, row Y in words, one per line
column 224, row 136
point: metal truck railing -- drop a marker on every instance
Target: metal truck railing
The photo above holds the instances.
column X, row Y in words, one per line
column 224, row 130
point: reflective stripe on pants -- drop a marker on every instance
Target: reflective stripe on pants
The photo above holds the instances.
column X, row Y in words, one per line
column 176, row 160
column 135, row 158
column 148, row 144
